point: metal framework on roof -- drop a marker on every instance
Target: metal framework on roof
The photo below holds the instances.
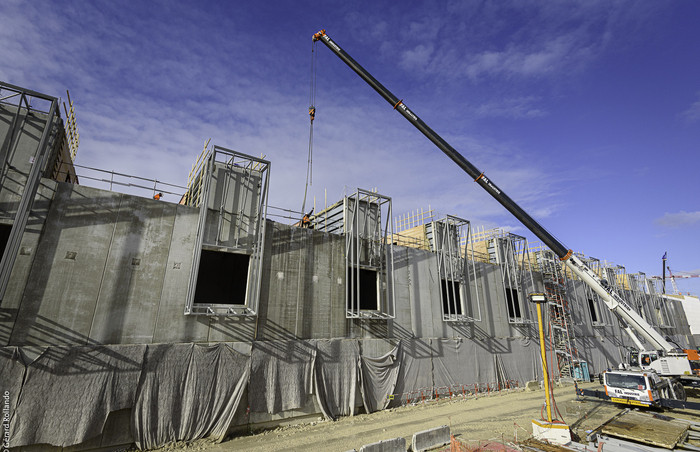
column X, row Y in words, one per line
column 26, row 103
column 230, row 190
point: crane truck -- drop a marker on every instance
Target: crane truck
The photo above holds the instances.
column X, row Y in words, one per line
column 659, row 356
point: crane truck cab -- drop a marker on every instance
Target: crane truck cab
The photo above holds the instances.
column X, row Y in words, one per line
column 633, row 388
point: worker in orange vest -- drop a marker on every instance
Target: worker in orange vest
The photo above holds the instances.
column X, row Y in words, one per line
column 157, row 196
column 306, row 221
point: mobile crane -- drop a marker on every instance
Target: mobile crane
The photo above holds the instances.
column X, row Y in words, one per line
column 660, row 355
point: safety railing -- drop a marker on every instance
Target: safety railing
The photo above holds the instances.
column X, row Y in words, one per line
column 127, row 183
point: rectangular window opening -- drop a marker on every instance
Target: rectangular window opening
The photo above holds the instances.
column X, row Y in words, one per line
column 513, row 304
column 222, row 278
column 368, row 296
column 451, row 298
column 5, row 230
column 594, row 311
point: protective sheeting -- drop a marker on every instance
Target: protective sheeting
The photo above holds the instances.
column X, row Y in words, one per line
column 600, row 354
column 68, row 393
column 11, row 376
column 335, row 377
column 456, row 362
column 187, row 392
column 281, row 376
column 521, row 363
column 416, row 371
column 378, row 376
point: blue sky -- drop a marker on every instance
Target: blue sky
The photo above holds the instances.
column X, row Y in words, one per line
column 586, row 113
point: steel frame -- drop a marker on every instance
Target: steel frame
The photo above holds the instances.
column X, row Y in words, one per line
column 198, row 195
column 662, row 307
column 445, row 237
column 641, row 300
column 602, row 313
column 33, row 178
column 511, row 252
column 368, row 246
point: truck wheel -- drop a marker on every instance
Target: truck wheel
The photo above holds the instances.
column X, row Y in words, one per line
column 679, row 391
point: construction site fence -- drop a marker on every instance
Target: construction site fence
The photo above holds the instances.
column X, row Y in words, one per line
column 423, row 395
column 458, row 445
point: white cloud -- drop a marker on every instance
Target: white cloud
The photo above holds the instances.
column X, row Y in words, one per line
column 515, row 108
column 416, row 58
column 692, row 114
column 680, row 219
column 516, row 60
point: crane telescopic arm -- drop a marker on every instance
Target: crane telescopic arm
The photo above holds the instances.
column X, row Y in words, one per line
column 614, row 302
column 462, row 162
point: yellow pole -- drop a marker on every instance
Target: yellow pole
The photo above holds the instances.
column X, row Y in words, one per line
column 545, row 372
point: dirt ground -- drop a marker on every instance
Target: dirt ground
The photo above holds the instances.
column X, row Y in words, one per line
column 504, row 417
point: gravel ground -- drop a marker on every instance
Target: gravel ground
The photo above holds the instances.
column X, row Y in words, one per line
column 504, row 417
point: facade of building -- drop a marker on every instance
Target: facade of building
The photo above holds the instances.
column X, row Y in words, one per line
column 143, row 321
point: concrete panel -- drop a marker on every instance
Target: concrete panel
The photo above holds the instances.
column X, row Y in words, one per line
column 278, row 319
column 303, row 292
column 59, row 303
column 423, row 291
column 402, row 326
column 339, row 324
column 133, row 276
column 21, row 269
column 172, row 325
column 317, row 313
column 387, row 445
column 429, row 439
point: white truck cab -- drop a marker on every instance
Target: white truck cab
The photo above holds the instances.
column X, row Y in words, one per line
column 634, row 388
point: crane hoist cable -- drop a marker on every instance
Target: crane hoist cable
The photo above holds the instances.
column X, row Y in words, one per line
column 312, row 115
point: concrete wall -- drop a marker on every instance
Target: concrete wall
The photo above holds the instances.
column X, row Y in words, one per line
column 105, row 268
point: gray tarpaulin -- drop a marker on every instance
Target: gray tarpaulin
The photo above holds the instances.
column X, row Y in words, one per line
column 600, row 353
column 416, row 371
column 454, row 362
column 335, row 377
column 378, row 377
column 11, row 375
column 187, row 392
column 68, row 393
column 522, row 362
column 281, row 375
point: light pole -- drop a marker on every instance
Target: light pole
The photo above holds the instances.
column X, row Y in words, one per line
column 556, row 432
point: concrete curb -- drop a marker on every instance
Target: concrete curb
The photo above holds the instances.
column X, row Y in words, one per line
column 428, row 439
column 387, row 445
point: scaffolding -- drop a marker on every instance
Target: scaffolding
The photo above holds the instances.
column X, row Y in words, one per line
column 365, row 218
column 230, row 189
column 449, row 239
column 562, row 336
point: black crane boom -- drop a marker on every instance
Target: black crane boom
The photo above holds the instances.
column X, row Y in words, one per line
column 478, row 176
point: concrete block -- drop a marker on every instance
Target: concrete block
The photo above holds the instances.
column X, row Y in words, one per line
column 387, row 445
column 428, row 439
column 533, row 385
